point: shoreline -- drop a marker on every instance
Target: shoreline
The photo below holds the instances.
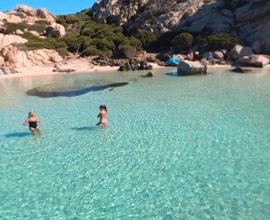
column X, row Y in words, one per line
column 81, row 66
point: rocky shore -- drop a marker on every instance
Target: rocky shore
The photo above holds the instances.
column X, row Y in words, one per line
column 199, row 34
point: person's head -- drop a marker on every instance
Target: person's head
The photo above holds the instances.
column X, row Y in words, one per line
column 103, row 107
column 30, row 114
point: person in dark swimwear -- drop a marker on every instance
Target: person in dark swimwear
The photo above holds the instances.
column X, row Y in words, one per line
column 32, row 121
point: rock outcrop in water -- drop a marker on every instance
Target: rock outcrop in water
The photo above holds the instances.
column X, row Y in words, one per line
column 186, row 68
column 55, row 90
column 248, row 19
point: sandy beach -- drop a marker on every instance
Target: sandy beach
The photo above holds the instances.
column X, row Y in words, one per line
column 80, row 65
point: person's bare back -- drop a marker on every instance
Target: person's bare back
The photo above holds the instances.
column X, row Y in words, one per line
column 102, row 116
column 32, row 121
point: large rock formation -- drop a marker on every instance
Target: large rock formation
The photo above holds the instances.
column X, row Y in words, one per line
column 158, row 16
column 10, row 39
column 248, row 19
column 186, row 68
column 12, row 54
column 14, row 57
column 258, row 61
column 29, row 16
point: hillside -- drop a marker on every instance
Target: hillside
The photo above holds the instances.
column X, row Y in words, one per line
column 123, row 29
column 249, row 20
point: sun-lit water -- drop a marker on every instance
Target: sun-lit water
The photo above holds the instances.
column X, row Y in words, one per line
column 175, row 148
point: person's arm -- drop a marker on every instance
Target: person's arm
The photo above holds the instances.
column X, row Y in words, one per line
column 26, row 122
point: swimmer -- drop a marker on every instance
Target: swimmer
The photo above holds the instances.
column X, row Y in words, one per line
column 32, row 122
column 102, row 116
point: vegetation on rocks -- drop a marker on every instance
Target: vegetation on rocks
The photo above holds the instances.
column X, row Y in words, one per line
column 147, row 38
column 35, row 43
column 11, row 28
column 38, row 27
column 87, row 37
column 91, row 38
column 182, row 42
column 218, row 41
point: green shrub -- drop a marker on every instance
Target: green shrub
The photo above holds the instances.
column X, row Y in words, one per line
column 40, row 28
column 45, row 22
column 218, row 41
column 132, row 41
column 147, row 38
column 105, row 53
column 182, row 42
column 35, row 42
column 164, row 41
column 63, row 52
column 91, row 38
column 118, row 30
column 118, row 39
column 103, row 44
column 61, row 19
column 92, row 50
column 89, row 51
column 88, row 31
column 12, row 27
column 71, row 19
column 128, row 51
column 72, row 42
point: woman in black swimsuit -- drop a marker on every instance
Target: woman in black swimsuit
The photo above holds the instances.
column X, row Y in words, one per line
column 32, row 122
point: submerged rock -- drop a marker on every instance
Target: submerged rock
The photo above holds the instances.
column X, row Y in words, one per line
column 148, row 75
column 191, row 68
column 53, row 90
column 63, row 70
column 241, row 70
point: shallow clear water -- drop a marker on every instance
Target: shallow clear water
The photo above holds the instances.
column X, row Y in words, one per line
column 175, row 148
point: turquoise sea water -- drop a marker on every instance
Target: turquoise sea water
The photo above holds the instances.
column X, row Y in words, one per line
column 175, row 148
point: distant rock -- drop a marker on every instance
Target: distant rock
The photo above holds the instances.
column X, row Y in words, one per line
column 34, row 33
column 9, row 39
column 18, row 32
column 219, row 55
column 239, row 51
column 59, row 70
column 56, row 30
column 44, row 14
column 26, row 10
column 246, row 19
column 149, row 75
column 133, row 65
column 7, row 71
column 28, row 15
column 15, row 58
column 191, row 68
column 154, row 15
column 258, row 61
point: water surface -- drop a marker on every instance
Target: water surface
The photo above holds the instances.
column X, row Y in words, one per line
column 175, row 148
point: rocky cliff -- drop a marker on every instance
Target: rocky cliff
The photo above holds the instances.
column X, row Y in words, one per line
column 19, row 27
column 247, row 19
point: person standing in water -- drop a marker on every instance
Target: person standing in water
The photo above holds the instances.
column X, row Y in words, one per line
column 102, row 116
column 32, row 121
